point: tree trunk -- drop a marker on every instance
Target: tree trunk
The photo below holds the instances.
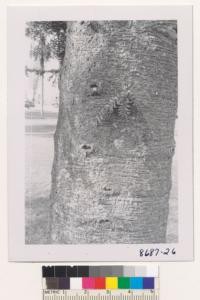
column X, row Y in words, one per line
column 114, row 140
column 42, row 95
column 42, row 75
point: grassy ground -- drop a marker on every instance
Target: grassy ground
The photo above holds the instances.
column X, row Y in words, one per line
column 39, row 158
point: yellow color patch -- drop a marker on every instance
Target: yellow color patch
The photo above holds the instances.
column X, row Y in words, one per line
column 111, row 283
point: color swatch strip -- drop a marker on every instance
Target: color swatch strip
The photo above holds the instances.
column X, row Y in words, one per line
column 88, row 283
column 100, row 277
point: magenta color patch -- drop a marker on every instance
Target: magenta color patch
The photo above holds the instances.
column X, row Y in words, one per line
column 88, row 283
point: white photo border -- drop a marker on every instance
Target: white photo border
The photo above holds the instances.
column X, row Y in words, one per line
column 18, row 250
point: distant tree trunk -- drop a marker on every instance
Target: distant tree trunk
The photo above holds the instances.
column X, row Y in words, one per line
column 114, row 140
column 42, row 97
column 42, row 74
column 35, row 86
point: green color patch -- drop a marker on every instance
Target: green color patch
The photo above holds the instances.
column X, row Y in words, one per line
column 123, row 282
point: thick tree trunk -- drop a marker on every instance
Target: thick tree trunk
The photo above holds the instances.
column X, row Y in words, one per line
column 114, row 140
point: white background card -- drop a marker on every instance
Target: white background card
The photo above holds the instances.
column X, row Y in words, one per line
column 17, row 179
column 174, row 276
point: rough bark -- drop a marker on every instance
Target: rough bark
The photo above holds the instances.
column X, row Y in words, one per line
column 114, row 140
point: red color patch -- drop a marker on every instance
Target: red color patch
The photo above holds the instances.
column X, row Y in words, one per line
column 100, row 283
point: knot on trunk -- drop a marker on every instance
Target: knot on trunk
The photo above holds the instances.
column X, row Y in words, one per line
column 87, row 150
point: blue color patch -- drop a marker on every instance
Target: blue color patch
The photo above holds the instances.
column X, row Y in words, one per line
column 148, row 283
column 136, row 283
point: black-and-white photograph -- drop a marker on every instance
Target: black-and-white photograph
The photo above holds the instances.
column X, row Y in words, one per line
column 101, row 110
column 100, row 159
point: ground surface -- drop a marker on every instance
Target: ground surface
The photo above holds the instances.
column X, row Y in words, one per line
column 39, row 158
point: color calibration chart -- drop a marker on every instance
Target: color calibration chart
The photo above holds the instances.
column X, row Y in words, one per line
column 100, row 282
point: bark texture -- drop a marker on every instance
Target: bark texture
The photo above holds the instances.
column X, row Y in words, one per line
column 114, row 140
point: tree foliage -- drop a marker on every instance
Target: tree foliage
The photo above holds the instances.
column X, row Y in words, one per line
column 49, row 37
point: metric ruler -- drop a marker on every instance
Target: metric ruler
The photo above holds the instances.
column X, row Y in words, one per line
column 100, row 295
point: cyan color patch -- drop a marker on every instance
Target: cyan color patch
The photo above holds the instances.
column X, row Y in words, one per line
column 136, row 283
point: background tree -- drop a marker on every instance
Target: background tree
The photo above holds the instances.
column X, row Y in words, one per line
column 49, row 42
column 114, row 141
